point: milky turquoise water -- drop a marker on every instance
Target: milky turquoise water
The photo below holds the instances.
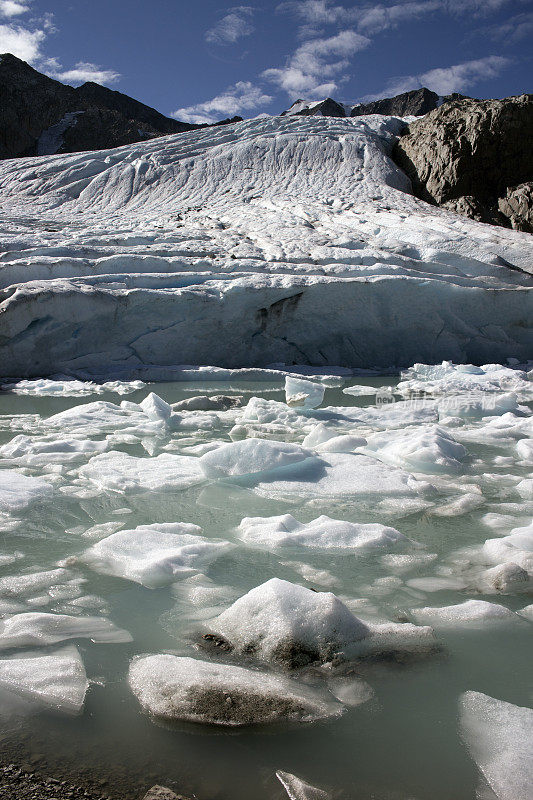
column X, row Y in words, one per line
column 403, row 743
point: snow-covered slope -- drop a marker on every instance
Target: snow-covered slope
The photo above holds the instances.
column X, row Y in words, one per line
column 275, row 240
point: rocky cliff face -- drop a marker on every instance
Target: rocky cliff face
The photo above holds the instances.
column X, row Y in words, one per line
column 415, row 103
column 41, row 116
column 474, row 157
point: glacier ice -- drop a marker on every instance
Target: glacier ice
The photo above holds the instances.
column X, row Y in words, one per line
column 179, row 688
column 297, row 243
column 499, row 736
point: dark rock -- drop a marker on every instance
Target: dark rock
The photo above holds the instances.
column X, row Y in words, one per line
column 41, row 116
column 326, row 108
column 473, row 157
column 414, row 103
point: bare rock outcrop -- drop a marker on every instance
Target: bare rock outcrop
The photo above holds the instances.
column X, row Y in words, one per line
column 474, row 157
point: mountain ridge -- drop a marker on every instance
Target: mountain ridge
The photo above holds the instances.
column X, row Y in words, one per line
column 42, row 116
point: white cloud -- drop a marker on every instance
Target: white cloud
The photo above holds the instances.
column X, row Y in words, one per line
column 236, row 24
column 513, row 30
column 378, row 18
column 315, row 60
column 21, row 42
column 445, row 80
column 243, row 96
column 11, row 8
column 82, row 72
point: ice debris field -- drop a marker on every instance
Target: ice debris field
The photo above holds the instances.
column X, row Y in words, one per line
column 340, row 569
column 224, row 562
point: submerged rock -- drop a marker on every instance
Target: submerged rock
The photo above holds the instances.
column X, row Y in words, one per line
column 173, row 688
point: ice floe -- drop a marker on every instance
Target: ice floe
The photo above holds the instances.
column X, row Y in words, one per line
column 176, row 688
column 39, row 629
column 17, row 491
column 499, row 736
column 299, row 392
column 254, row 457
column 322, row 532
column 116, row 471
column 56, row 680
column 154, row 555
column 470, row 613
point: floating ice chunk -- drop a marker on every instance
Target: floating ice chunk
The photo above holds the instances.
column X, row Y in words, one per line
column 405, row 563
column 26, row 585
column 155, row 407
column 259, row 410
column 436, row 584
column 363, row 391
column 447, row 378
column 342, row 444
column 56, row 680
column 17, row 491
column 477, row 405
column 525, row 488
column 173, row 688
column 33, row 452
column 253, row 456
column 291, row 626
column 426, row 449
column 323, row 532
column 524, row 448
column 499, row 736
column 319, row 434
column 458, row 506
column 119, row 472
column 297, row 789
column 155, row 555
column 352, row 476
column 470, row 613
column 96, row 416
column 517, row 548
column 46, row 387
column 503, row 578
column 299, row 392
column 39, row 629
column 217, row 402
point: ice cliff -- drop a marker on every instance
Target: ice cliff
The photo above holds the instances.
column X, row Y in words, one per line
column 287, row 239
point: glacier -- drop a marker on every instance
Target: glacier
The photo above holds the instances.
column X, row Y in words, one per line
column 287, row 240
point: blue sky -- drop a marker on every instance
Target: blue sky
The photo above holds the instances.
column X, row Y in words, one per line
column 203, row 60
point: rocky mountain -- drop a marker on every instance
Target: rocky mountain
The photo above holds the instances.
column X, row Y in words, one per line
column 41, row 116
column 414, row 103
column 474, row 157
